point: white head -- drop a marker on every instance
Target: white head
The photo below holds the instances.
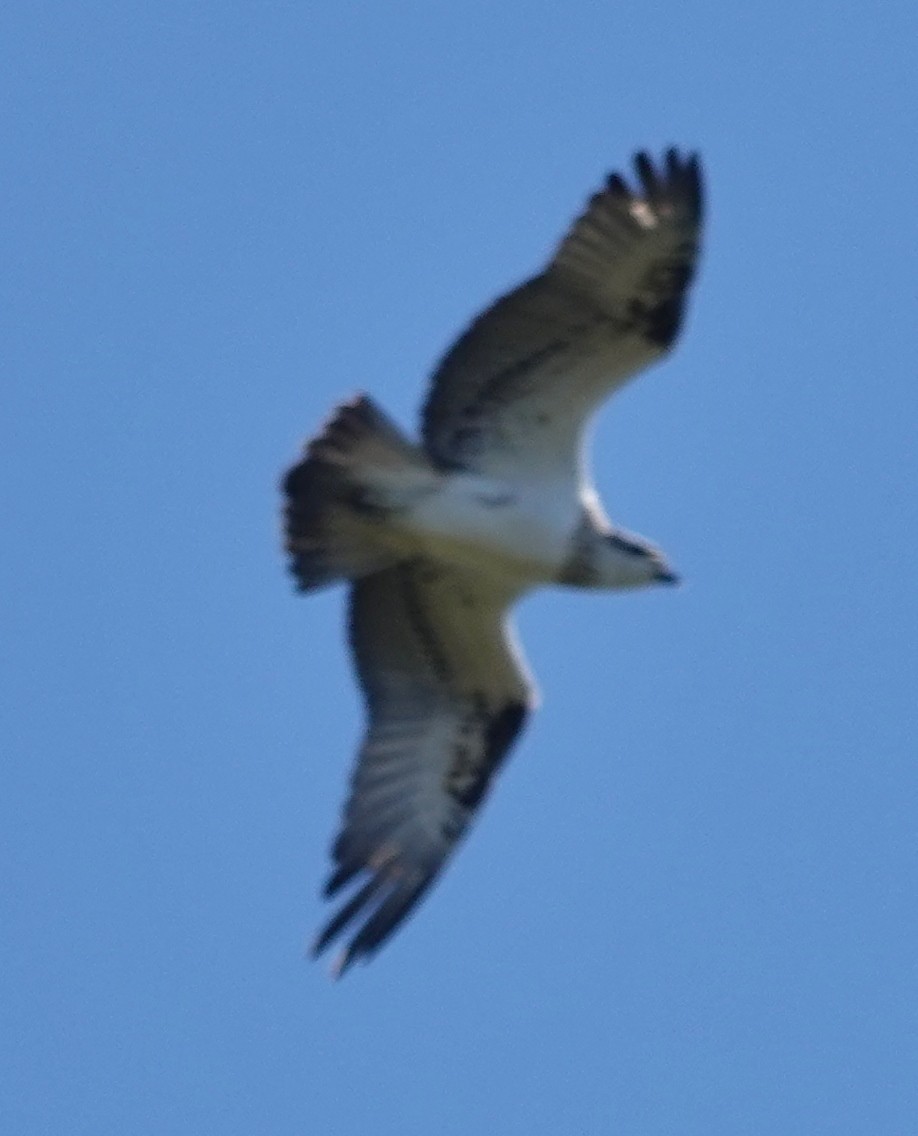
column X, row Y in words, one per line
column 627, row 561
column 615, row 559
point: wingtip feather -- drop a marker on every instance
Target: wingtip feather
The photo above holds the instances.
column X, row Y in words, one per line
column 676, row 174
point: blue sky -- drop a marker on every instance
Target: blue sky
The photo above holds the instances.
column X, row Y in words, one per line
column 689, row 906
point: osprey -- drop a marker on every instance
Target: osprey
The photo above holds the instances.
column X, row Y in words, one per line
column 439, row 538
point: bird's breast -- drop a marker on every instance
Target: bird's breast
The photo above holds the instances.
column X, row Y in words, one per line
column 489, row 524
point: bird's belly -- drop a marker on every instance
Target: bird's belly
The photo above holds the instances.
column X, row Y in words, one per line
column 488, row 526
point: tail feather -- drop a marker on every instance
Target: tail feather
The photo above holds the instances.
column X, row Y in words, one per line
column 356, row 472
column 365, row 443
column 325, row 541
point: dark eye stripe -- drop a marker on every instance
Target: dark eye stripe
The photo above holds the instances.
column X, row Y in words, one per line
column 628, row 546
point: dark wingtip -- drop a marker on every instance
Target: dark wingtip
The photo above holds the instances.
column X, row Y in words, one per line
column 647, row 174
column 384, row 903
column 695, row 173
column 336, row 881
column 617, row 186
column 685, row 174
column 675, row 174
column 352, row 908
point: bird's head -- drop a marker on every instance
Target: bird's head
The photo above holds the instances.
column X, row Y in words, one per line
column 628, row 561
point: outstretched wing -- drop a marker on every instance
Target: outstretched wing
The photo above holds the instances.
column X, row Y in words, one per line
column 446, row 696
column 511, row 396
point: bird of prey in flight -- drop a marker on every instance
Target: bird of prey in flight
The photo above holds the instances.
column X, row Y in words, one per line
column 439, row 538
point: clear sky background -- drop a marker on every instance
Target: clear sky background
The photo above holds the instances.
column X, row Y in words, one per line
column 690, row 905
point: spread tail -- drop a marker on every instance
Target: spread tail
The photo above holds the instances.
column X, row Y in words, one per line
column 357, row 473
